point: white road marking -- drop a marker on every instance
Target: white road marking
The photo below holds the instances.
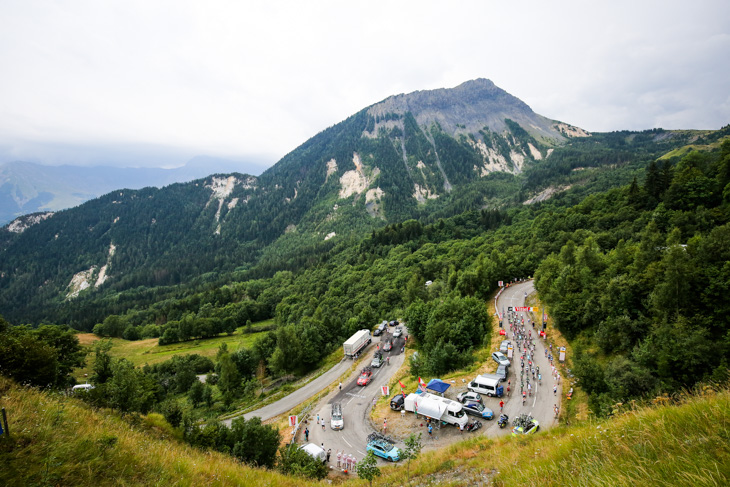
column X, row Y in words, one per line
column 361, row 453
column 348, row 443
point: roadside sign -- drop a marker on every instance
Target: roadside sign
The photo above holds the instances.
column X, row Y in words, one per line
column 500, row 283
column 293, row 420
column 385, row 390
column 523, row 308
column 509, row 308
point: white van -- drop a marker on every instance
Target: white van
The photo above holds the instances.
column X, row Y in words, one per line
column 486, row 385
column 316, row 452
column 81, row 388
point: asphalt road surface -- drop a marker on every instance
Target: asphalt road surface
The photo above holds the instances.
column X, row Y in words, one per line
column 356, row 404
column 541, row 404
column 300, row 395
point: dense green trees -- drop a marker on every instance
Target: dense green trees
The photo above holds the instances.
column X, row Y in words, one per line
column 293, row 460
column 42, row 357
column 655, row 302
column 248, row 440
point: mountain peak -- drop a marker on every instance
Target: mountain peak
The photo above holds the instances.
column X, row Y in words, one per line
column 469, row 108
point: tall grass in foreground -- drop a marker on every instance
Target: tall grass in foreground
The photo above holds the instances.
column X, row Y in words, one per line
column 56, row 441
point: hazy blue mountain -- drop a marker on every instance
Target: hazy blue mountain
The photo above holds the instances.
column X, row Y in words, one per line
column 27, row 187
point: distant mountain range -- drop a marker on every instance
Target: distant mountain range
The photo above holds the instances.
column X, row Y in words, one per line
column 424, row 155
column 27, row 187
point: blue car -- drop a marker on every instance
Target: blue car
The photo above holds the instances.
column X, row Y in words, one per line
column 383, row 447
column 477, row 409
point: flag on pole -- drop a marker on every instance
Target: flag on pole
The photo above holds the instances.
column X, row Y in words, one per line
column 421, row 385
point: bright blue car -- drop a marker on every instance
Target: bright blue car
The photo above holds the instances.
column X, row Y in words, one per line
column 383, row 447
column 478, row 410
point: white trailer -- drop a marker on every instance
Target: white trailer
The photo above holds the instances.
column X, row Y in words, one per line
column 436, row 407
column 357, row 342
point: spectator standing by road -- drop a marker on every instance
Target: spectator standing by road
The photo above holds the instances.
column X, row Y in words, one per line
column 501, row 406
column 430, row 430
column 306, row 434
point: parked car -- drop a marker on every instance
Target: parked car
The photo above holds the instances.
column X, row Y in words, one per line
column 469, row 396
column 502, row 372
column 380, row 329
column 476, row 409
column 500, row 358
column 394, row 323
column 504, row 346
column 397, row 403
column 397, row 332
column 377, row 360
column 382, row 447
column 366, row 375
column 388, row 346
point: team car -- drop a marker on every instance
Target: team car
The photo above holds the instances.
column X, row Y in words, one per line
column 366, row 375
column 525, row 424
column 397, row 332
column 388, row 346
column 337, row 422
column 383, row 447
column 377, row 360
column 477, row 409
column 469, row 396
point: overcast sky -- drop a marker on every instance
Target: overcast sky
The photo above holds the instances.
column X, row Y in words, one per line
column 246, row 79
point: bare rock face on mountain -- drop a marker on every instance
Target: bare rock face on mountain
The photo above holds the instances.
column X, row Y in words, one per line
column 470, row 108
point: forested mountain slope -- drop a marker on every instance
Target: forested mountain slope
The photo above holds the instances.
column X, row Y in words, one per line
column 425, row 156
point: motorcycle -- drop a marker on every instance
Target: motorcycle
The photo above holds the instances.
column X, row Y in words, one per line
column 473, row 426
column 503, row 420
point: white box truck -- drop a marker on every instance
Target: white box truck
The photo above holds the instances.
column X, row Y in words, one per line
column 436, row 407
column 357, row 342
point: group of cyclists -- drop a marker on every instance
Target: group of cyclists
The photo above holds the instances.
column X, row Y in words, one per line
column 525, row 344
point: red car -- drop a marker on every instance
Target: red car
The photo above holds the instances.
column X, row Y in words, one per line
column 365, row 376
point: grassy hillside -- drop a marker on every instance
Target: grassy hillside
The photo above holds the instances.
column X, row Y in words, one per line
column 148, row 351
column 682, row 441
column 58, row 441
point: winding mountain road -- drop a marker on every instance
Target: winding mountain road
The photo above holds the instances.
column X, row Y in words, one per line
column 357, row 401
